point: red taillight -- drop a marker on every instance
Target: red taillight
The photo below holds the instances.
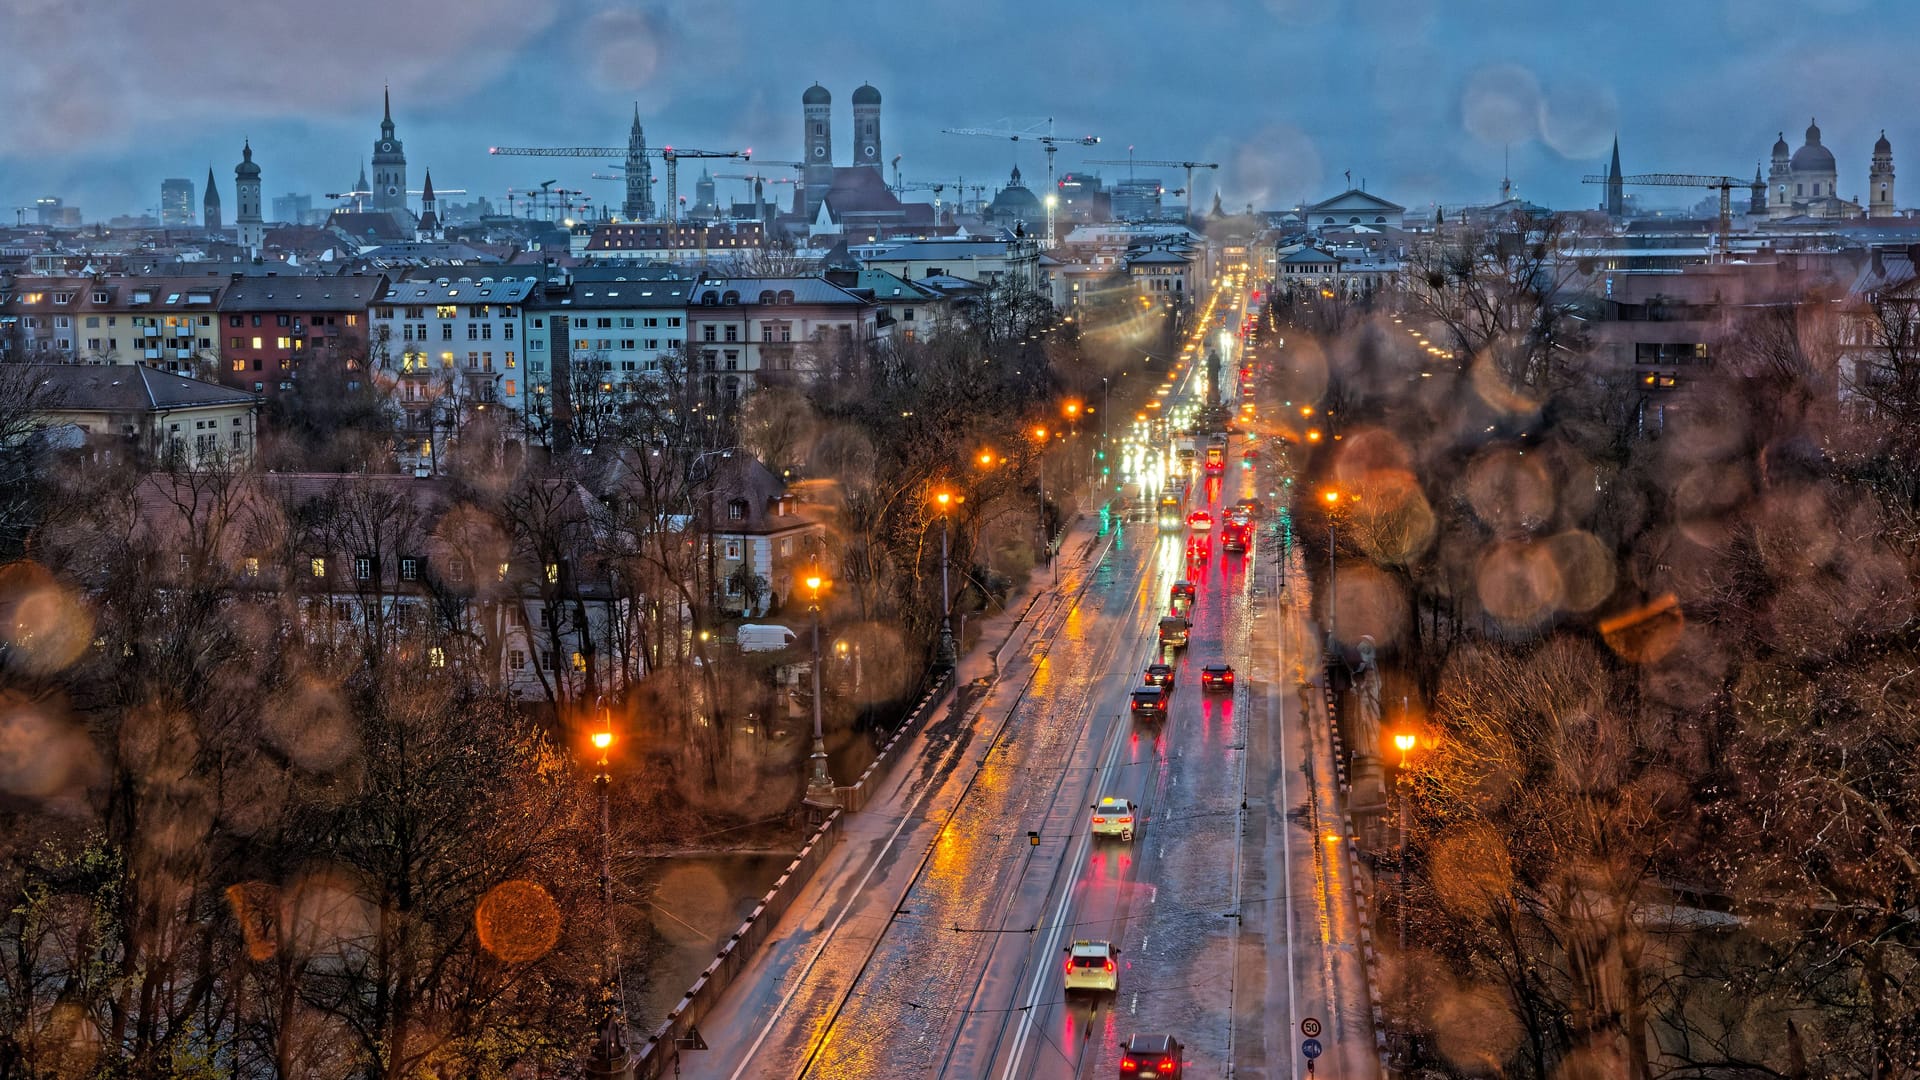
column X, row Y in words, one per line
column 1128, row 820
column 1129, row 1064
column 1109, row 966
column 1099, row 821
column 1069, row 967
column 1166, row 1064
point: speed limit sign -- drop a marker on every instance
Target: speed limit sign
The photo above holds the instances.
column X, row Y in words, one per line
column 1310, row 1027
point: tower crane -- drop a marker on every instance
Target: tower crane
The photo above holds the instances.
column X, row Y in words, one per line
column 1131, row 161
column 921, row 185
column 668, row 154
column 1723, row 184
column 1046, row 139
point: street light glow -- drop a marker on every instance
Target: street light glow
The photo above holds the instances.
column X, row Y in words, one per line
column 814, row 582
column 602, row 739
column 1404, row 741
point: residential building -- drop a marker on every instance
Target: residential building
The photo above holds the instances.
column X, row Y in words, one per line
column 747, row 330
column 761, row 538
column 908, row 311
column 449, row 346
column 547, row 626
column 134, row 412
column 271, row 325
column 670, row 241
column 163, row 322
column 1010, row 261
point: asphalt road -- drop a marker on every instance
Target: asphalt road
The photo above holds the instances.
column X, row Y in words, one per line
column 932, row 944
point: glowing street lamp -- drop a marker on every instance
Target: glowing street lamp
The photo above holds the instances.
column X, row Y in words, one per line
column 609, row 1057
column 820, row 788
column 948, row 651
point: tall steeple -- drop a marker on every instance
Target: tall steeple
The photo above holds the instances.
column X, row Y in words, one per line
column 210, row 204
column 429, row 220
column 639, row 202
column 1757, row 194
column 389, row 164
column 1616, row 184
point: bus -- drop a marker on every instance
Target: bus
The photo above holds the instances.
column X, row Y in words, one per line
column 1170, row 519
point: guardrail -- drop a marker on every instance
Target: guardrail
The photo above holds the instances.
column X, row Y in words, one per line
column 657, row 1055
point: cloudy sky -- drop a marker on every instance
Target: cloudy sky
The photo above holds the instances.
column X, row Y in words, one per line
column 1418, row 97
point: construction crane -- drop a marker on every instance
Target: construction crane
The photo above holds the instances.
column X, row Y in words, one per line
column 666, row 153
column 1046, row 139
column 921, row 185
column 1723, row 184
column 1131, row 161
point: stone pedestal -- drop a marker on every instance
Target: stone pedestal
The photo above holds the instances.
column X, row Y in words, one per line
column 1367, row 798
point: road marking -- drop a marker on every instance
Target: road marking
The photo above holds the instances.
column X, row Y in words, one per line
column 827, row 938
column 1051, row 939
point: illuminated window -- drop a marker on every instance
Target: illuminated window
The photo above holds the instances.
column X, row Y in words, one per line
column 503, row 571
column 257, row 341
column 579, row 662
column 319, row 567
column 282, row 343
column 437, row 656
column 553, row 573
column 253, row 566
column 446, row 360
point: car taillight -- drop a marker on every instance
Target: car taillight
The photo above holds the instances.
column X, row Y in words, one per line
column 1128, row 820
column 1166, row 1064
column 1109, row 965
column 1099, row 821
column 1128, row 1064
column 1069, row 967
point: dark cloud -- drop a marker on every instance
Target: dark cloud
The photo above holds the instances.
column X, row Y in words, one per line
column 108, row 98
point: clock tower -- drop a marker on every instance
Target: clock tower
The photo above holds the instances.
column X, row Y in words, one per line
column 389, row 166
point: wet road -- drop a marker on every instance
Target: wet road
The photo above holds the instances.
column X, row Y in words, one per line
column 934, row 945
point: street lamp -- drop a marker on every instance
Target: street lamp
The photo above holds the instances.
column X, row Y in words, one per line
column 1040, row 469
column 820, row 787
column 609, row 1057
column 947, row 652
column 1404, row 741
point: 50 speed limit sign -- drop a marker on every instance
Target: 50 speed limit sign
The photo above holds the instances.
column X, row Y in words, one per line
column 1310, row 1027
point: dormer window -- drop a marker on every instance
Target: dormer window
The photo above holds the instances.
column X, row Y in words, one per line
column 736, row 509
column 99, row 298
column 63, row 298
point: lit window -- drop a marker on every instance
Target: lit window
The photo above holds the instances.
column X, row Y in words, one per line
column 256, row 342
column 579, row 662
column 437, row 656
column 553, row 573
column 503, row 571
column 319, row 568
column 253, row 566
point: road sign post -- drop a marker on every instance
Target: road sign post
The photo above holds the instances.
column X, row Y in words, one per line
column 1310, row 1048
column 1310, row 1027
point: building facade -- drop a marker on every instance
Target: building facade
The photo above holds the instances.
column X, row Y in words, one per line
column 450, row 347
column 749, row 330
column 271, row 326
column 176, row 203
column 137, row 413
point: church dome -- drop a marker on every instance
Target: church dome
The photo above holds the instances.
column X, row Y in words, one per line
column 816, row 95
column 1015, row 201
column 246, row 169
column 1881, row 145
column 1780, row 147
column 866, row 95
column 1813, row 158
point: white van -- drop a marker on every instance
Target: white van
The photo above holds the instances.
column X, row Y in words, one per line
column 764, row 637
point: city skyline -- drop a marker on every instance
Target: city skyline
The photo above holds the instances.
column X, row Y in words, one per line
column 1502, row 88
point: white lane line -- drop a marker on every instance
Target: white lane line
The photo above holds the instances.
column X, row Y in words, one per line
column 827, row 939
column 1051, row 939
column 1286, row 853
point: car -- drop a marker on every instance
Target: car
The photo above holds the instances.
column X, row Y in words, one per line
column 1149, row 703
column 1216, row 677
column 1113, row 817
column 1152, row 1057
column 1174, row 630
column 1091, row 965
column 1183, row 590
column 1200, row 521
column 1160, row 674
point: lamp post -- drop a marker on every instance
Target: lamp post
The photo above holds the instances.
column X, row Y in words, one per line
column 947, row 652
column 820, row 787
column 610, row 1058
column 1040, row 469
column 1404, row 741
